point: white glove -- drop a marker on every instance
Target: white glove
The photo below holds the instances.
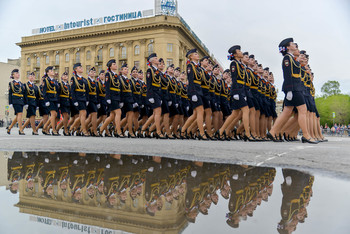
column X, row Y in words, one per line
column 76, row 104
column 47, row 103
column 289, row 96
column 109, row 101
column 236, row 97
column 142, row 106
column 245, row 98
column 58, row 105
column 37, row 108
column 121, row 105
column 26, row 107
column 194, row 98
column 176, row 105
column 151, row 100
column 135, row 105
column 161, row 102
column 188, row 108
column 169, row 103
column 98, row 106
column 11, row 106
column 87, row 103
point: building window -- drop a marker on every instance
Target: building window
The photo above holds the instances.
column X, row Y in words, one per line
column 28, row 61
column 137, row 50
column 123, row 52
column 169, row 47
column 47, row 59
column 88, row 68
column 88, row 55
column 169, row 61
column 77, row 57
column 66, row 69
column 111, row 52
column 57, row 59
column 150, row 48
column 67, row 57
column 99, row 55
column 37, row 74
column 137, row 64
column 38, row 62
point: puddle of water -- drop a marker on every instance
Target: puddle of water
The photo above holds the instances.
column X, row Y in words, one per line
column 50, row 192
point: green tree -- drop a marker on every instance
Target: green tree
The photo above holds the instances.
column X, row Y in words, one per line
column 331, row 87
column 340, row 104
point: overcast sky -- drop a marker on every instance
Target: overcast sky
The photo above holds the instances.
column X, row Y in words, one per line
column 321, row 27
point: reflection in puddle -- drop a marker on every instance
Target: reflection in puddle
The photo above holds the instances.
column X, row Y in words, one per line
column 93, row 193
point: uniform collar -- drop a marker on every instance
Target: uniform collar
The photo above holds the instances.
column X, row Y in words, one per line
column 155, row 67
column 125, row 77
column 30, row 82
column 18, row 81
column 291, row 55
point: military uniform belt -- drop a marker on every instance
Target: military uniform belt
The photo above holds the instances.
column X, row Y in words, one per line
column 31, row 96
column 172, row 92
column 204, row 87
column 240, row 82
column 64, row 96
column 92, row 93
column 18, row 95
column 253, row 87
column 223, row 95
column 296, row 75
column 155, row 84
column 197, row 82
column 49, row 91
column 137, row 93
column 102, row 95
column 80, row 90
column 183, row 96
column 217, row 93
column 127, row 91
column 144, row 95
column 164, row 88
column 114, row 89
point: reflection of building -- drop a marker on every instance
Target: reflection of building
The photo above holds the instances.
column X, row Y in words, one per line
column 128, row 42
column 6, row 69
column 3, row 168
column 131, row 193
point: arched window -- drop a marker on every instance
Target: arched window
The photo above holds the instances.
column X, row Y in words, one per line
column 88, row 55
column 28, row 61
column 111, row 52
column 99, row 55
column 77, row 57
column 37, row 61
column 67, row 57
column 150, row 48
column 137, row 50
column 47, row 59
column 123, row 51
column 57, row 59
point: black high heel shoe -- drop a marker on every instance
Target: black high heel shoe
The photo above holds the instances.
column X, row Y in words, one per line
column 269, row 136
column 159, row 136
column 21, row 133
column 107, row 135
column 8, row 130
column 304, row 140
column 202, row 137
column 55, row 134
column 35, row 133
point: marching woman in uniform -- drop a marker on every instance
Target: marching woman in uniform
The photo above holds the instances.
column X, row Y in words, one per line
column 153, row 81
column 102, row 111
column 238, row 94
column 127, row 99
column 113, row 98
column 195, row 93
column 31, row 102
column 293, row 88
column 16, row 100
column 80, row 97
column 64, row 92
column 93, row 106
column 43, row 110
column 51, row 99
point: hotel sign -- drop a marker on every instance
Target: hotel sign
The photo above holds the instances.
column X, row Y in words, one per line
column 93, row 22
